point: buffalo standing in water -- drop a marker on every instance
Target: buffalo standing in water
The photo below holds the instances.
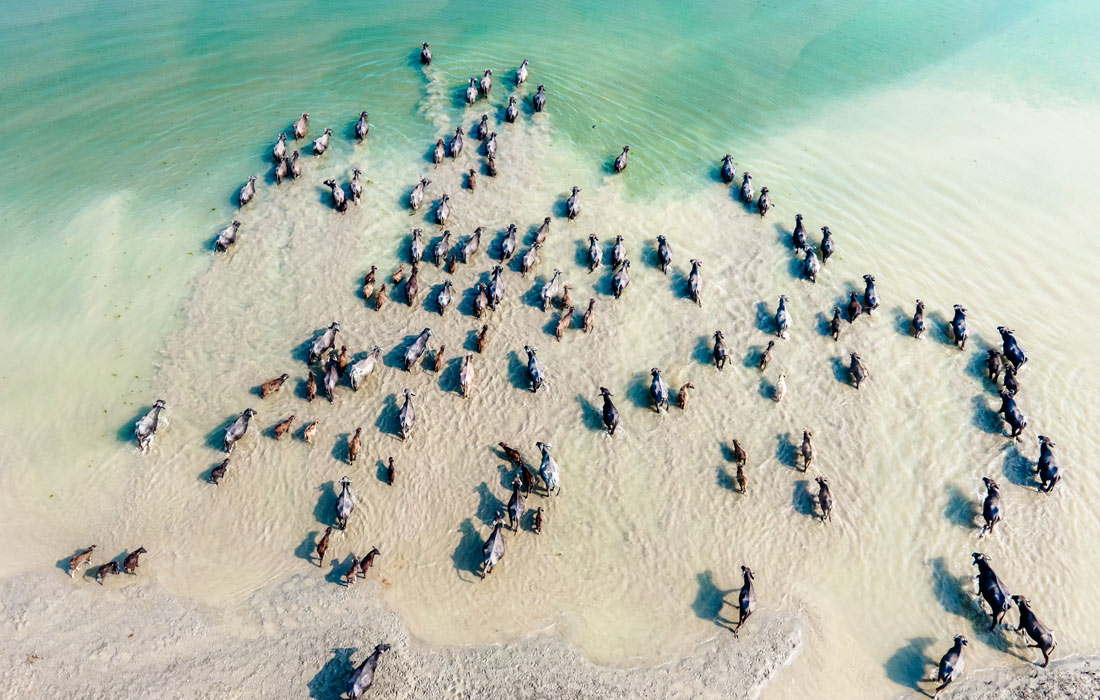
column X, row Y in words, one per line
column 959, row 330
column 658, row 390
column 345, row 503
column 355, row 187
column 664, row 253
column 146, row 428
column 481, row 300
column 535, row 373
column 991, row 590
column 1015, row 418
column 621, row 280
column 539, row 100
column 247, row 192
column 746, row 188
column 951, row 665
column 130, row 564
column 917, row 325
column 237, row 430
column 80, row 559
column 721, row 354
column 573, row 204
column 827, row 245
column 1012, row 350
column 443, row 211
column 363, row 675
column 457, row 143
column 991, row 507
column 325, row 342
column 548, row 469
column 1011, row 384
column 362, row 127
column 825, row 499
column 994, row 364
column 511, row 113
column 807, row 449
column 508, row 245
column 301, row 126
column 550, row 290
column 407, row 416
column 810, row 265
column 227, row 237
column 618, row 252
column 1050, row 472
column 110, row 568
column 272, row 386
column 855, row 309
column 362, row 369
column 766, row 356
column 870, row 294
column 412, row 287
column 728, row 171
column 857, row 372
column 496, row 287
column 472, row 245
column 621, row 161
column 834, row 324
column 798, row 236
column 445, row 296
column 493, row 551
column 442, row 248
column 339, row 199
column 417, row 196
column 610, row 413
column 466, row 375
column 695, row 282
column 320, row 145
column 780, row 389
column 765, row 202
column 278, row 151
column 218, row 472
column 593, row 252
column 746, row 600
column 1039, row 633
column 516, row 505
column 543, row 231
column 782, row 318
column 416, row 350
column 332, row 377
column 425, row 54
column 589, row 314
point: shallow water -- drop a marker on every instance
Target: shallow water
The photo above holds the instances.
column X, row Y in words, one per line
column 950, row 150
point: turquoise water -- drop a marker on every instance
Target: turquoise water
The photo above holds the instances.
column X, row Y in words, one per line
column 175, row 106
column 951, row 144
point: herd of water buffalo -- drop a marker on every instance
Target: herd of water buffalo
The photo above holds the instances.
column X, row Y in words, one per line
column 334, row 364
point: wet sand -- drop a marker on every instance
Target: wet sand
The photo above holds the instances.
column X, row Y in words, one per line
column 302, row 637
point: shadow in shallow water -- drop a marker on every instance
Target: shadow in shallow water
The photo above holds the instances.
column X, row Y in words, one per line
column 467, row 555
column 709, row 599
column 909, row 664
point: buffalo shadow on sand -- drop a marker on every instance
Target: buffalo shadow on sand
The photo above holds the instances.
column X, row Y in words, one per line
column 331, row 681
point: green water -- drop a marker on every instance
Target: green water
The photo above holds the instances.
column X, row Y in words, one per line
column 129, row 129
